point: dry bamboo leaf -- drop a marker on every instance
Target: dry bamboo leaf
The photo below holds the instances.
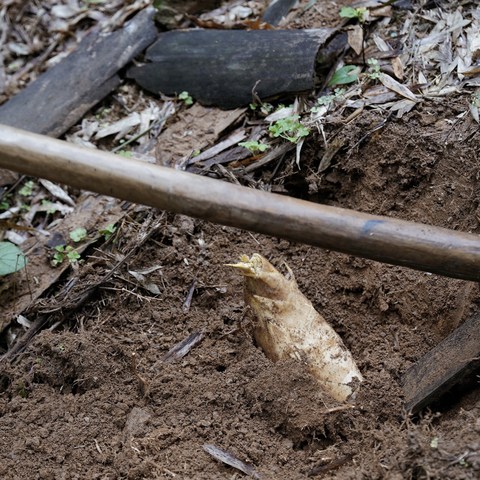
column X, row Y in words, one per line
column 474, row 112
column 182, row 348
column 288, row 326
column 397, row 87
column 57, row 192
column 475, row 45
column 121, row 127
column 398, row 68
column 355, row 38
column 402, row 107
column 233, row 139
column 381, row 44
column 142, row 280
column 330, row 151
column 382, row 12
column 229, row 459
column 280, row 114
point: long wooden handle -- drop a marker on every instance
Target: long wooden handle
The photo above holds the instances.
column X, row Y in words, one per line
column 418, row 246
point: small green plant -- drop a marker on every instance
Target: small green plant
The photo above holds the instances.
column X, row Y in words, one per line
column 289, row 128
column 373, row 72
column 65, row 252
column 125, row 153
column 265, row 108
column 255, row 146
column 50, row 207
column 12, row 258
column 327, row 100
column 476, row 99
column 5, row 203
column 27, row 189
column 345, row 75
column 186, row 98
column 350, row 12
column 108, row 231
column 78, row 234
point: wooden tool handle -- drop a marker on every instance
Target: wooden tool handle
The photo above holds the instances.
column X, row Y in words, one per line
column 388, row 240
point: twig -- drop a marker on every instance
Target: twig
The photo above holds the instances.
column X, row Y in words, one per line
column 188, row 300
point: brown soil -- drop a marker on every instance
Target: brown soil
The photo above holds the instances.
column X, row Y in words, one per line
column 93, row 399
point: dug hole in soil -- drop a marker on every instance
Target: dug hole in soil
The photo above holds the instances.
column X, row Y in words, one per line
column 97, row 401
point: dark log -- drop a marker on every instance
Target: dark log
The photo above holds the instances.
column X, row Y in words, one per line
column 277, row 10
column 223, row 67
column 60, row 97
column 442, row 367
column 388, row 240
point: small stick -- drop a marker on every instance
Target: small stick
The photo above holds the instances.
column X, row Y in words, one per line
column 188, row 300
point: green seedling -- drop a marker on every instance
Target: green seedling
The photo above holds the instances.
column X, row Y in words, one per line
column 78, row 234
column 12, row 258
column 327, row 100
column 186, row 98
column 108, row 231
column 265, row 108
column 476, row 99
column 358, row 13
column 51, row 208
column 125, row 153
column 289, row 128
column 65, row 252
column 373, row 72
column 27, row 189
column 345, row 75
column 254, row 146
column 5, row 203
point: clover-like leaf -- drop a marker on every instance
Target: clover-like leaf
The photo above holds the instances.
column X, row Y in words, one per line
column 11, row 258
column 344, row 75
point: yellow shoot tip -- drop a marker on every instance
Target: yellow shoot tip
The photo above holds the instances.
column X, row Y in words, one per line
column 246, row 266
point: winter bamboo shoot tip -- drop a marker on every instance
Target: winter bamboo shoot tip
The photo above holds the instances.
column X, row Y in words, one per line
column 288, row 326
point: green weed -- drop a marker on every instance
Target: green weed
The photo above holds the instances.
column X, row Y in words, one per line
column 289, row 128
column 255, row 146
column 186, row 98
